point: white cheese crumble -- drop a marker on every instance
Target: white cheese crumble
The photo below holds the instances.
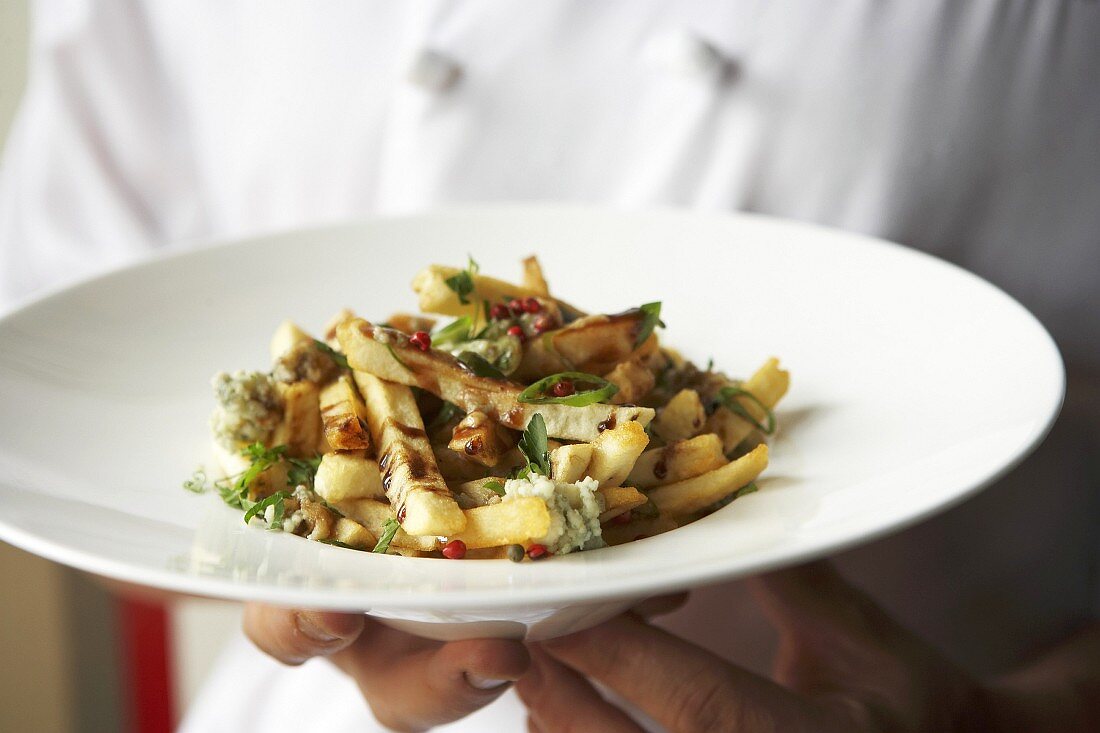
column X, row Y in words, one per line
column 574, row 511
column 249, row 408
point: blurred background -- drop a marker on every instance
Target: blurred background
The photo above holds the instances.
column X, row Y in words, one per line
column 80, row 656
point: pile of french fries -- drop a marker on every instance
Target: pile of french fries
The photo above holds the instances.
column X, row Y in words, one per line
column 415, row 443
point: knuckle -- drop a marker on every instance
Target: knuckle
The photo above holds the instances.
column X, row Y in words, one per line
column 704, row 702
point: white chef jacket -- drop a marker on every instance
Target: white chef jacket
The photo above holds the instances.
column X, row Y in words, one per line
column 968, row 130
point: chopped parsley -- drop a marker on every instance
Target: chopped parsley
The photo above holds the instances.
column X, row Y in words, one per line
column 302, row 471
column 463, row 283
column 337, row 543
column 389, row 529
column 236, row 494
column 651, row 318
column 278, row 503
column 495, row 486
column 534, row 447
column 455, row 332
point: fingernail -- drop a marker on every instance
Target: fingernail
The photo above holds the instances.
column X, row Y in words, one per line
column 312, row 630
column 485, row 683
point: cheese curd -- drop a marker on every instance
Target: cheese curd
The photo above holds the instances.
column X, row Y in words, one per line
column 574, row 511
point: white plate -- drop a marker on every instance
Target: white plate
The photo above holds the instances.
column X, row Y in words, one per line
column 914, row 384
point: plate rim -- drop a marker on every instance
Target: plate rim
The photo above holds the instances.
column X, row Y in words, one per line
column 636, row 586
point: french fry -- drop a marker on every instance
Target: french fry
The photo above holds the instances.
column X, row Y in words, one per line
column 411, row 478
column 511, row 522
column 633, row 380
column 636, row 529
column 455, row 466
column 344, row 314
column 469, row 494
column 266, row 483
column 693, row 494
column 373, row 514
column 353, row 534
column 614, row 453
column 593, row 344
column 301, row 428
column 343, row 415
column 409, row 323
column 768, row 384
column 678, row 460
column 372, row 350
column 533, row 279
column 436, row 296
column 569, row 462
column 681, row 418
column 351, row 475
column 286, row 337
column 619, row 500
column 480, row 439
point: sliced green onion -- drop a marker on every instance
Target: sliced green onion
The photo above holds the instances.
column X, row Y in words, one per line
column 336, row 356
column 453, row 333
column 479, row 365
column 495, row 486
column 590, row 389
column 651, row 319
column 397, row 358
column 727, row 396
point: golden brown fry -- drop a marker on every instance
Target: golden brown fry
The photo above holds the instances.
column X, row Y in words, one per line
column 513, row 522
column 533, row 278
column 343, row 416
column 344, row 314
column 409, row 323
column 480, row 439
column 373, row 514
column 411, row 478
column 768, row 385
column 569, row 463
column 693, row 494
column 456, row 467
column 593, row 344
column 633, row 380
column 301, row 430
column 619, row 500
column 369, row 348
column 343, row 476
column 678, row 460
column 614, row 453
column 286, row 337
column 353, row 534
column 683, row 417
column 430, row 285
column 469, row 494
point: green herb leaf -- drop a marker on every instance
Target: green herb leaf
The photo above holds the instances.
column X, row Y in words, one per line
column 336, row 543
column 589, row 389
column 463, row 283
column 262, row 459
column 389, row 529
column 455, row 332
column 727, row 397
column 479, row 366
column 302, row 471
column 746, row 490
column 336, row 356
column 650, row 320
column 534, row 447
column 260, row 508
column 495, row 486
column 197, row 484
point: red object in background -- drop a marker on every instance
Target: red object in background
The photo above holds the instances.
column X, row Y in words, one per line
column 146, row 661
